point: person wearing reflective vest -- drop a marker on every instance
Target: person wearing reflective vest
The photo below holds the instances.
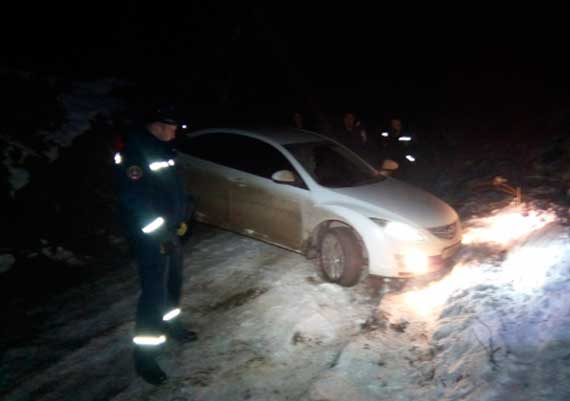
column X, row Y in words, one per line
column 153, row 206
column 400, row 146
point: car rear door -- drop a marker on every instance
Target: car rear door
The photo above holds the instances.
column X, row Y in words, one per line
column 205, row 177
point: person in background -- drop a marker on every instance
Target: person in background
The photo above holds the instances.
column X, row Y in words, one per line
column 399, row 145
column 297, row 120
column 154, row 209
column 354, row 135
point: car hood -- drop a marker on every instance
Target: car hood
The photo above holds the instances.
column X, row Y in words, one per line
column 392, row 198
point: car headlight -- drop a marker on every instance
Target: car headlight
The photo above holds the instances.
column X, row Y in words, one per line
column 401, row 231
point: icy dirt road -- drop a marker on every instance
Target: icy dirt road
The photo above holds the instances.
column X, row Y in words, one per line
column 271, row 329
column 268, row 326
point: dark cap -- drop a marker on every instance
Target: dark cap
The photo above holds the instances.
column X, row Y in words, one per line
column 167, row 114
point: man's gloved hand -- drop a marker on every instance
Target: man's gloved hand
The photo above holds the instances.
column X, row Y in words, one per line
column 182, row 229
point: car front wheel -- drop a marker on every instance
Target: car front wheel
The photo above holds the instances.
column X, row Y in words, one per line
column 340, row 257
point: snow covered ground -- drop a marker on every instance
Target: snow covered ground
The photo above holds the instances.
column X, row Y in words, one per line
column 496, row 327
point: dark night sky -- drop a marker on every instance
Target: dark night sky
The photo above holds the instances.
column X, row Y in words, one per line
column 469, row 57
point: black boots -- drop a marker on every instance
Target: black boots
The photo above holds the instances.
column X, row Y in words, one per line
column 147, row 367
column 179, row 333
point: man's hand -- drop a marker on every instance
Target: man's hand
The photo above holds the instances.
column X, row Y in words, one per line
column 181, row 230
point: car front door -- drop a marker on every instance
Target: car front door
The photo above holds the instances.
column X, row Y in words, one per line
column 259, row 206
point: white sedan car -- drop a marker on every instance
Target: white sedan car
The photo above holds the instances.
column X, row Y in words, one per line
column 307, row 193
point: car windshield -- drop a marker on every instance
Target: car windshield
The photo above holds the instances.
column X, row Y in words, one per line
column 333, row 166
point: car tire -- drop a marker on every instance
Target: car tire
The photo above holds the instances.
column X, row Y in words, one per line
column 340, row 257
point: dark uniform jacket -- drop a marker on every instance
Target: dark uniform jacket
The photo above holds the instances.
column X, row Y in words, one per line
column 360, row 142
column 150, row 189
column 400, row 147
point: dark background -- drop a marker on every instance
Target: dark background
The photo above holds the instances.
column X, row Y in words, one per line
column 487, row 66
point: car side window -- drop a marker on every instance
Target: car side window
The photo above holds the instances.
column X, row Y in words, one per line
column 205, row 147
column 259, row 158
column 237, row 151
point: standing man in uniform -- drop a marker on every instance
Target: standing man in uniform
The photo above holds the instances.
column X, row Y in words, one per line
column 154, row 208
column 400, row 146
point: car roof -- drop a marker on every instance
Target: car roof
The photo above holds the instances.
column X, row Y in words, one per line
column 281, row 136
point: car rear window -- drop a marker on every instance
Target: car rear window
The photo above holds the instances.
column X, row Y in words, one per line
column 237, row 151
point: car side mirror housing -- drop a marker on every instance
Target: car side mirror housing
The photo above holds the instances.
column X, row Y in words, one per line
column 390, row 165
column 284, row 176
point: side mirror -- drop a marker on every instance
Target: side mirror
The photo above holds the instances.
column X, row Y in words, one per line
column 284, row 177
column 388, row 167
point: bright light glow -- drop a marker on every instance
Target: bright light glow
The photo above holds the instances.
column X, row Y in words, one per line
column 411, row 158
column 155, row 225
column 385, row 134
column 526, row 268
column 155, row 166
column 405, row 138
column 427, row 301
column 416, row 261
column 149, row 340
column 184, row 126
column 506, row 226
column 118, row 158
column 171, row 315
column 403, row 231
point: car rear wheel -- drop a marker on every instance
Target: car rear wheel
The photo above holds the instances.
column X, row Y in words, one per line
column 340, row 257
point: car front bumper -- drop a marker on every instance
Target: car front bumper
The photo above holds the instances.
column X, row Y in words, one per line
column 406, row 267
